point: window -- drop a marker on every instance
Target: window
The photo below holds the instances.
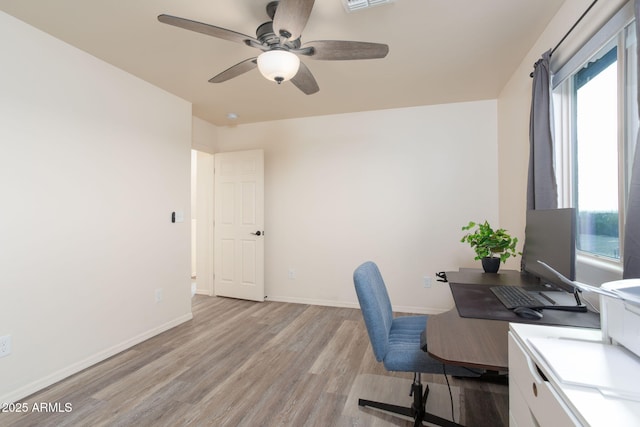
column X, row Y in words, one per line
column 596, row 126
column 595, row 148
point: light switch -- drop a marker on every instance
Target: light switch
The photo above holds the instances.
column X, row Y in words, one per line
column 179, row 216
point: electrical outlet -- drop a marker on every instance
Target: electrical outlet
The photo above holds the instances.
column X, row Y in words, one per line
column 426, row 281
column 291, row 274
column 158, row 295
column 5, row 345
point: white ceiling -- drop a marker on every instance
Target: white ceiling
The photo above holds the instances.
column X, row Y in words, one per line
column 440, row 51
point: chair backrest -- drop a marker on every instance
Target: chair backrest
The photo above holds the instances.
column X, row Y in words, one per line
column 375, row 306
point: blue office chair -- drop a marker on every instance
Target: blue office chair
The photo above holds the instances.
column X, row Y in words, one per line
column 396, row 343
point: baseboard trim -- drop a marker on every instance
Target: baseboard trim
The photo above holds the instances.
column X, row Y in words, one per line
column 418, row 310
column 312, row 301
column 342, row 304
column 61, row 374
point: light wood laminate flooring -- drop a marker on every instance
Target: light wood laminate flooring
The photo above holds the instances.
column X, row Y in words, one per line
column 241, row 363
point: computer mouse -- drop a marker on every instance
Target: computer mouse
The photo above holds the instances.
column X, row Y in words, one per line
column 528, row 313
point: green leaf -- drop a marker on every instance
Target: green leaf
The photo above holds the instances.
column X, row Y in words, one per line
column 486, row 241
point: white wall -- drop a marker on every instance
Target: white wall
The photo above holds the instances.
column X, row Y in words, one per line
column 204, row 136
column 391, row 186
column 92, row 163
column 514, row 104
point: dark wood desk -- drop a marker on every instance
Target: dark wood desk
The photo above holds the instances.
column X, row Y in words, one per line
column 482, row 343
column 477, row 343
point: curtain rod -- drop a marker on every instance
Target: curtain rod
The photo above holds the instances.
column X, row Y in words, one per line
column 570, row 30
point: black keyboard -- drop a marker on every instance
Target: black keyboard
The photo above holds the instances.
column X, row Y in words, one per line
column 515, row 296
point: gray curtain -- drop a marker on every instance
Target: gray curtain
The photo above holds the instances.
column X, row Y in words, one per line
column 631, row 261
column 542, row 191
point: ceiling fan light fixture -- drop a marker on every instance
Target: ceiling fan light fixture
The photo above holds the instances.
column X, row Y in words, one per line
column 278, row 65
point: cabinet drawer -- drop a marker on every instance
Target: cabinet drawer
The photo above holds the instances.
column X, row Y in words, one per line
column 519, row 413
column 545, row 406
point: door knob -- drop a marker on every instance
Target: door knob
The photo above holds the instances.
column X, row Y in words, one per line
column 257, row 233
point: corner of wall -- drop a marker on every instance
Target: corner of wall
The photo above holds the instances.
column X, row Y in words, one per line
column 204, row 136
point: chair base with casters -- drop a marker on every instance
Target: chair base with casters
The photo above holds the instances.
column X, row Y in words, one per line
column 396, row 342
column 417, row 411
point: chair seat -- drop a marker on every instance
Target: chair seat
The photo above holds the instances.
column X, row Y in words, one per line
column 404, row 353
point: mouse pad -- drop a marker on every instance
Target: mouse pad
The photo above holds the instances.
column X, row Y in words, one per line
column 477, row 301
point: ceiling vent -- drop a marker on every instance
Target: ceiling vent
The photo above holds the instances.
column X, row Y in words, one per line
column 353, row 5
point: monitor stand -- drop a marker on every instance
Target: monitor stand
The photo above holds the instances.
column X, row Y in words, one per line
column 579, row 307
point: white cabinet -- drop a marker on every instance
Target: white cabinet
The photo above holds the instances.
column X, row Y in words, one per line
column 532, row 399
column 540, row 396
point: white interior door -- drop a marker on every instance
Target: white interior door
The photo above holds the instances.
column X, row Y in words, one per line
column 239, row 225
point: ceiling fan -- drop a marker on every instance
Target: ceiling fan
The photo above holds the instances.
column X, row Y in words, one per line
column 279, row 41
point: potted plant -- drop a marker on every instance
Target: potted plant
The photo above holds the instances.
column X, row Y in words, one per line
column 491, row 246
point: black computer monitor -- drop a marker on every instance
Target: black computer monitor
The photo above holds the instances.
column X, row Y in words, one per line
column 550, row 236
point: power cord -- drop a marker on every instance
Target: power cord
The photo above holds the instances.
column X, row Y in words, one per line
column 444, row 371
column 591, row 305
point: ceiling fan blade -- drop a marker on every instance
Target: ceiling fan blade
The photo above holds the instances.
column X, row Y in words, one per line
column 336, row 50
column 291, row 17
column 235, row 71
column 304, row 80
column 210, row 30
